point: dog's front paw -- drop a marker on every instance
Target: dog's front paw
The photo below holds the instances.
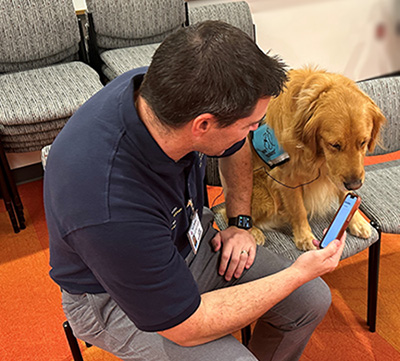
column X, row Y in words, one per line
column 305, row 242
column 258, row 235
column 360, row 227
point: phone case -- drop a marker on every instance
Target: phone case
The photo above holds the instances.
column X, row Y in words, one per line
column 340, row 224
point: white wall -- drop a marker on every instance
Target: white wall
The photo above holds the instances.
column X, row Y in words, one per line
column 338, row 35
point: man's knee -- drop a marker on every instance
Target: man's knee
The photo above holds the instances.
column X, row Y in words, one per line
column 304, row 307
column 317, row 299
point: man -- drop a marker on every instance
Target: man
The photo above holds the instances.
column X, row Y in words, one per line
column 143, row 273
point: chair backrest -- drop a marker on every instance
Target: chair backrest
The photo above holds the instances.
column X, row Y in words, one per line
column 126, row 23
column 235, row 13
column 385, row 92
column 37, row 33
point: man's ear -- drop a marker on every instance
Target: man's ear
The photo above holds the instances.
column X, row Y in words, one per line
column 203, row 123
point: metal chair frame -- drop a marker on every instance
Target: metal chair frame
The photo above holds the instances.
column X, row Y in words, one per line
column 73, row 342
column 9, row 192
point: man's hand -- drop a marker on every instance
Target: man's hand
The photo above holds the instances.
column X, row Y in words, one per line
column 238, row 250
column 314, row 264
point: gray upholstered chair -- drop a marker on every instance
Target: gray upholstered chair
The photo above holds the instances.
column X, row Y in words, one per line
column 124, row 35
column 380, row 194
column 280, row 242
column 42, row 81
column 381, row 190
column 235, row 13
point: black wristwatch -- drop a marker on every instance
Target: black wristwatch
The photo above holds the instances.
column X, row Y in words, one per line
column 241, row 221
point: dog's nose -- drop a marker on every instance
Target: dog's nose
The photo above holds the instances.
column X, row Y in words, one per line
column 353, row 185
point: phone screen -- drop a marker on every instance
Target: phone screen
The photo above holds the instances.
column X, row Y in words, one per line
column 339, row 220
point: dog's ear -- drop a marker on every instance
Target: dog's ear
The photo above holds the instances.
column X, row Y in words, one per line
column 378, row 120
column 306, row 121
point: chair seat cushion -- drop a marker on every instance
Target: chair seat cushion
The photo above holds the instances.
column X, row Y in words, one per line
column 281, row 242
column 45, row 94
column 11, row 133
column 380, row 195
column 29, row 137
column 30, row 146
column 29, row 142
column 119, row 61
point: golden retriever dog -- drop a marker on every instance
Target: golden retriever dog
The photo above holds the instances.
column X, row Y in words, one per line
column 326, row 124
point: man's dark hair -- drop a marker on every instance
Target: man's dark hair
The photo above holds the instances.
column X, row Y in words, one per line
column 211, row 67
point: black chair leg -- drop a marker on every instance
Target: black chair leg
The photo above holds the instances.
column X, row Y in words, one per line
column 206, row 202
column 246, row 334
column 4, row 192
column 373, row 279
column 72, row 342
column 11, row 190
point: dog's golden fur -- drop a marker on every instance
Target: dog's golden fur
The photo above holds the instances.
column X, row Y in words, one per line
column 326, row 124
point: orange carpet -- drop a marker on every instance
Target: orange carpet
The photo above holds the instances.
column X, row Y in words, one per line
column 31, row 316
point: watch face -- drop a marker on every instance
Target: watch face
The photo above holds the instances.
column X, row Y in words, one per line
column 244, row 222
column 241, row 221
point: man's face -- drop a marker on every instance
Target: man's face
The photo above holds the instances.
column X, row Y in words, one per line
column 221, row 139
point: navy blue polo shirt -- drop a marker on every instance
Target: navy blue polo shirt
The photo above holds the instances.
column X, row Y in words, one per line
column 117, row 210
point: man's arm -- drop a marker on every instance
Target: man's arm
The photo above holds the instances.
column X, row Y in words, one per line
column 238, row 245
column 236, row 173
column 226, row 310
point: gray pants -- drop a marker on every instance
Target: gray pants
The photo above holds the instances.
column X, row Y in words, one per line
column 280, row 334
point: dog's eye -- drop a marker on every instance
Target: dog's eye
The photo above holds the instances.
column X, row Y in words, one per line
column 336, row 146
column 363, row 143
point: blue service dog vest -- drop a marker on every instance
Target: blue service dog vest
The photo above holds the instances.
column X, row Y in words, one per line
column 267, row 146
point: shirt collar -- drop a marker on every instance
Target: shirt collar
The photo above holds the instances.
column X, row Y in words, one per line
column 150, row 151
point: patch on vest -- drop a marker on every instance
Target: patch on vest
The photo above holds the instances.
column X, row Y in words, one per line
column 267, row 146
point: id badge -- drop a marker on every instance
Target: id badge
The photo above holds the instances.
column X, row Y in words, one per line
column 195, row 232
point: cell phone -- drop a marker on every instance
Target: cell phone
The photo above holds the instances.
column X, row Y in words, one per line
column 342, row 218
